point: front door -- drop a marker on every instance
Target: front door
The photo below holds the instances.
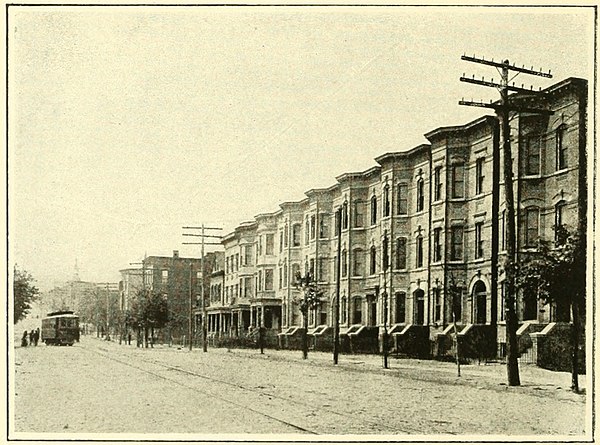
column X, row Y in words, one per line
column 419, row 307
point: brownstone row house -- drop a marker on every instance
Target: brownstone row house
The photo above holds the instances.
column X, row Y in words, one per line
column 434, row 208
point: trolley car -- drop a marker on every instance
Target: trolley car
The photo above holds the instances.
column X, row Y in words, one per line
column 60, row 328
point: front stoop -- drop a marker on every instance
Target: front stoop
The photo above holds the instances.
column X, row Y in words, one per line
column 321, row 338
column 478, row 341
column 395, row 328
column 551, row 347
column 525, row 343
column 359, row 339
column 445, row 342
column 291, row 338
column 412, row 341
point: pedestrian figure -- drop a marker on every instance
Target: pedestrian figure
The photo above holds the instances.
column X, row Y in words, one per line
column 24, row 339
column 31, row 334
column 36, row 336
column 129, row 338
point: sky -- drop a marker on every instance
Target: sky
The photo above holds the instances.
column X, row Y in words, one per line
column 127, row 123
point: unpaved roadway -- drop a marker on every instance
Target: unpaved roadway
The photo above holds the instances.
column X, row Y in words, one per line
column 103, row 387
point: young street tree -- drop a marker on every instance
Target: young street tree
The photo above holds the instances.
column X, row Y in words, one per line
column 556, row 275
column 454, row 292
column 149, row 311
column 312, row 298
column 24, row 292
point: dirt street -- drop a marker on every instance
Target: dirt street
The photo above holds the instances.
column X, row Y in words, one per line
column 103, row 387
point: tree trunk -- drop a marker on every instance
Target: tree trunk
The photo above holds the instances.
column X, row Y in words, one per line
column 305, row 337
column 575, row 346
column 145, row 336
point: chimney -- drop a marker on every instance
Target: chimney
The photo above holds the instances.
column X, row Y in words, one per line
column 176, row 254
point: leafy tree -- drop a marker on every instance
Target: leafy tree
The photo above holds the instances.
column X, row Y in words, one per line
column 454, row 292
column 24, row 292
column 556, row 275
column 149, row 310
column 311, row 300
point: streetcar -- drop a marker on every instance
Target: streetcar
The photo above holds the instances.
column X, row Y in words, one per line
column 60, row 328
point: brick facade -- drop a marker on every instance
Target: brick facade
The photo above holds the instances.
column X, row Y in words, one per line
column 434, row 206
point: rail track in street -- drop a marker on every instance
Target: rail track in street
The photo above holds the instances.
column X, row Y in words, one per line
column 265, row 398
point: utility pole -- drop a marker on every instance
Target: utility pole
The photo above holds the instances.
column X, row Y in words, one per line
column 107, row 338
column 191, row 320
column 138, row 330
column 503, row 109
column 336, row 309
column 384, row 295
column 202, row 243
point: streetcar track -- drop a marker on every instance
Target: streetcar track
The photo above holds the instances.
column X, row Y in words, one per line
column 375, row 424
column 239, row 405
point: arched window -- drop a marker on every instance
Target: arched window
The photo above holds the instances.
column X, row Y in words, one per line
column 561, row 148
column 532, row 226
column 306, row 230
column 419, row 307
column 358, row 266
column 420, row 195
column 419, row 251
column 343, row 309
column 323, row 226
column 357, row 310
column 479, row 303
column 402, row 199
column 401, row 253
column 385, row 259
column 437, row 184
column 373, row 260
column 345, row 216
column 296, row 235
column 559, row 214
column 386, row 201
column 374, row 210
column 400, row 307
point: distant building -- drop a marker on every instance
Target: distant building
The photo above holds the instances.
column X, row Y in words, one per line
column 175, row 277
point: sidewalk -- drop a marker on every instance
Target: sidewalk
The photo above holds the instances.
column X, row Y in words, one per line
column 488, row 374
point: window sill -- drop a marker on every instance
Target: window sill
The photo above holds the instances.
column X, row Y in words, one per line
column 528, row 249
column 561, row 172
column 463, row 199
column 532, row 176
